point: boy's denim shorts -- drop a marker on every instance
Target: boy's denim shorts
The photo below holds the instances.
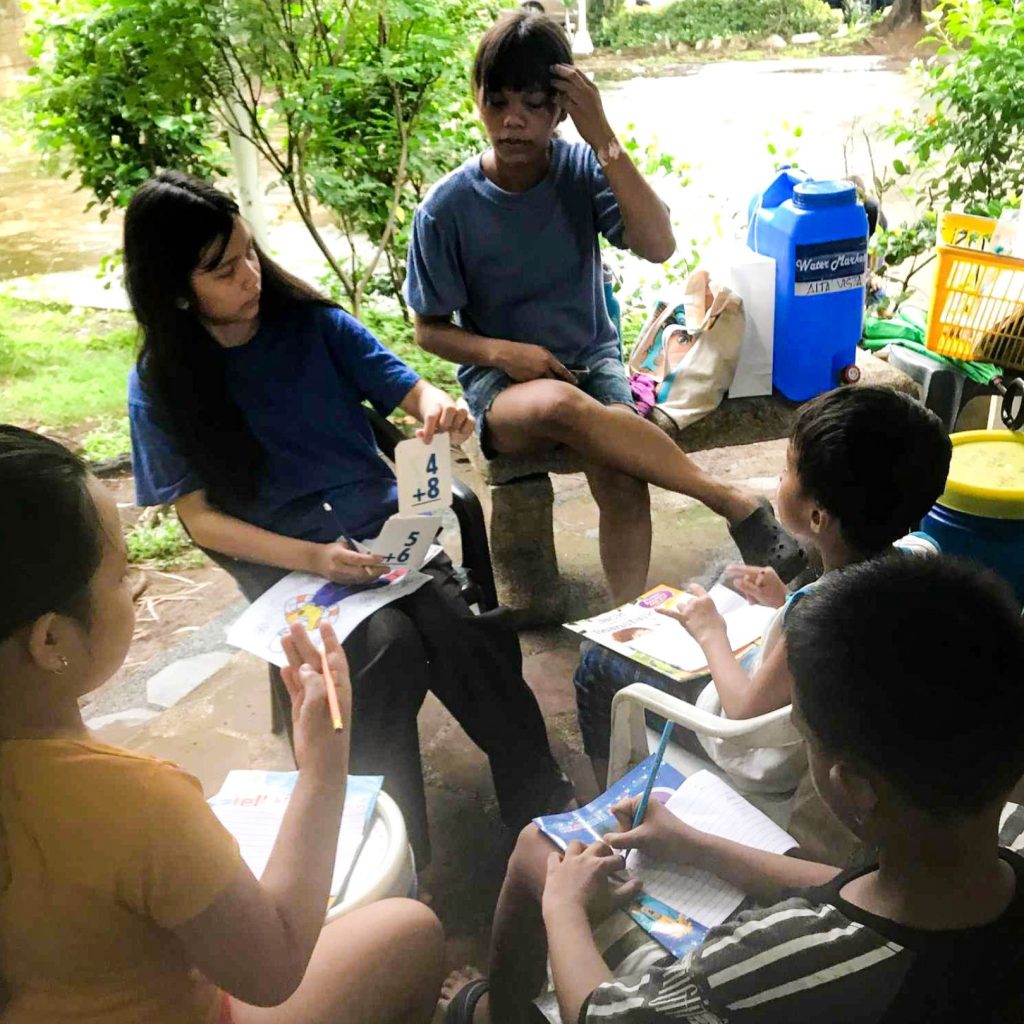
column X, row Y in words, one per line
column 604, row 380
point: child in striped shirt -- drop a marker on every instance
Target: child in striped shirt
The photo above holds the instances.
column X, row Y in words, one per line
column 898, row 665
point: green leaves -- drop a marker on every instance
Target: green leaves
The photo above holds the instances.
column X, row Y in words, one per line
column 966, row 136
column 688, row 21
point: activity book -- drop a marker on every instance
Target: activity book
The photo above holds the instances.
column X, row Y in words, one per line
column 637, row 631
column 678, row 904
column 251, row 806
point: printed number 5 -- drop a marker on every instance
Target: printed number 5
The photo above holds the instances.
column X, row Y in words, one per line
column 410, row 541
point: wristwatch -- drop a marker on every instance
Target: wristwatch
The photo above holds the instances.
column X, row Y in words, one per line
column 610, row 151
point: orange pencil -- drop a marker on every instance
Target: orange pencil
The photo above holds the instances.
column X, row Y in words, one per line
column 332, row 694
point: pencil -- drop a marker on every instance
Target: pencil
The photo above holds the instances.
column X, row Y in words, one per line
column 641, row 809
column 332, row 694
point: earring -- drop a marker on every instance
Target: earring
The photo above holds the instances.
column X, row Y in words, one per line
column 182, row 303
column 63, row 664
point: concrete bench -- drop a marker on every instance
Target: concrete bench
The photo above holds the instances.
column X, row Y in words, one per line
column 520, row 497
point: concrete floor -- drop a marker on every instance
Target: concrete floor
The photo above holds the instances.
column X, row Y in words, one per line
column 225, row 723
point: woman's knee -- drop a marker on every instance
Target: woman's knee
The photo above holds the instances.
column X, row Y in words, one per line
column 389, row 632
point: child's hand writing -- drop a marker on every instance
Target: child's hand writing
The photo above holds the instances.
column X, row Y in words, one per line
column 699, row 617
column 758, row 585
column 318, row 748
column 661, row 834
column 582, row 880
column 338, row 562
column 581, row 100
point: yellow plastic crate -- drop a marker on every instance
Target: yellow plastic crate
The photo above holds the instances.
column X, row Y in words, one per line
column 977, row 310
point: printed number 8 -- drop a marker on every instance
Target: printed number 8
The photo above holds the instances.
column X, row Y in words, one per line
column 433, row 487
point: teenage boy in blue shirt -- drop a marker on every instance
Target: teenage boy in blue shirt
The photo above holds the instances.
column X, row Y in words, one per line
column 505, row 277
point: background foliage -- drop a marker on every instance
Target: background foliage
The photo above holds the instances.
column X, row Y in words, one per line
column 356, row 106
column 687, row 21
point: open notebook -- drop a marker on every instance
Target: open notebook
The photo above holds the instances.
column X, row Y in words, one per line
column 678, row 904
column 251, row 806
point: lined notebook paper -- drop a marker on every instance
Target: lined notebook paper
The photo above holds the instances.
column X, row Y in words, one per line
column 704, row 802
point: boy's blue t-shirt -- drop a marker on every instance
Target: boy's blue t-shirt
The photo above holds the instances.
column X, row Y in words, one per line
column 520, row 266
column 299, row 382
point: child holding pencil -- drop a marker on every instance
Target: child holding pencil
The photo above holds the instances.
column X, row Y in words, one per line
column 929, row 931
column 123, row 900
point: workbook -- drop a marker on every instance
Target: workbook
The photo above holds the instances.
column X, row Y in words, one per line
column 251, row 806
column 678, row 904
column 639, row 632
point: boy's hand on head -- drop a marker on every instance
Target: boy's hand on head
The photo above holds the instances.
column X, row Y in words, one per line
column 522, row 362
column 443, row 415
column 661, row 834
column 318, row 748
column 699, row 617
column 581, row 880
column 581, row 100
column 759, row 585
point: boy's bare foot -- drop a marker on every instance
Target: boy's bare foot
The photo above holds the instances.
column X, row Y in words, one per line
column 454, row 984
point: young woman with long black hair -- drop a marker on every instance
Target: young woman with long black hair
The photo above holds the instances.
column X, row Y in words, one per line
column 245, row 409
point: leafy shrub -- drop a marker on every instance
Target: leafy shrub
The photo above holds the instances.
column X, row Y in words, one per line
column 687, row 21
column 967, row 135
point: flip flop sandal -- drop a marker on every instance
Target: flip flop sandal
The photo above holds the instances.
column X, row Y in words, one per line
column 763, row 541
column 460, row 1009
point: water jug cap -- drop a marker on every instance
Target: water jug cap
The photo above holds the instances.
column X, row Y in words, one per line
column 819, row 195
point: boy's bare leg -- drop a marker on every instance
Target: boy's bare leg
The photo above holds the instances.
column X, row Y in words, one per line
column 624, row 530
column 540, row 413
column 518, row 964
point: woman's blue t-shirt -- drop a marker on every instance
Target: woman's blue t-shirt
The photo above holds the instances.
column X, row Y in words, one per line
column 300, row 383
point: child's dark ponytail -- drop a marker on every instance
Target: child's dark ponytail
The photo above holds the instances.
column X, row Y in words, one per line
column 49, row 530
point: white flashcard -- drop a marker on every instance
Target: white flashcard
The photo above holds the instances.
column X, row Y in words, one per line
column 405, row 540
column 424, row 474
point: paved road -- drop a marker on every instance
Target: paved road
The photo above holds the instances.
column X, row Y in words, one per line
column 719, row 117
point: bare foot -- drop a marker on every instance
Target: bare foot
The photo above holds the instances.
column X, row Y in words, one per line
column 455, row 983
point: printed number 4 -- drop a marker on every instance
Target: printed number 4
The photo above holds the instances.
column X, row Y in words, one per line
column 432, row 464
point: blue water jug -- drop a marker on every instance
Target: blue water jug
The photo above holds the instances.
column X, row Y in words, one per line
column 817, row 233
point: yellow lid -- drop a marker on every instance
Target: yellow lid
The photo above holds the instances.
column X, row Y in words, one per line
column 986, row 475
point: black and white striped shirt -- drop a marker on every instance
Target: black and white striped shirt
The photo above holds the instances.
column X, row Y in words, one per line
column 816, row 958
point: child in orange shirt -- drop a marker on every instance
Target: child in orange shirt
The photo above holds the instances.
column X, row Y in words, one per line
column 123, row 900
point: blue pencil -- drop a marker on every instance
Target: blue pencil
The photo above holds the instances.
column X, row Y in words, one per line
column 659, row 756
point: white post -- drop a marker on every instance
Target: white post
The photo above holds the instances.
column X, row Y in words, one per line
column 582, row 44
column 250, row 200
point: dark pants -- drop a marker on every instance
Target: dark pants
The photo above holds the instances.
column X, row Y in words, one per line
column 431, row 641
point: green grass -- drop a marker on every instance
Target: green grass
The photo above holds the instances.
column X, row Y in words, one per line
column 61, row 366
column 109, row 439
column 162, row 544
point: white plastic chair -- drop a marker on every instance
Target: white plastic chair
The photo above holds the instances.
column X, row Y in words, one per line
column 385, row 866
column 632, row 741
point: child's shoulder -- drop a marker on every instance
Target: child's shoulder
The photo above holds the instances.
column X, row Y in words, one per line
column 93, row 779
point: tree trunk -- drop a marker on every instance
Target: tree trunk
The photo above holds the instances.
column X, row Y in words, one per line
column 905, row 13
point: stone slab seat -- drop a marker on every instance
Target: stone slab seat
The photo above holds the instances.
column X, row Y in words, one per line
column 521, row 498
